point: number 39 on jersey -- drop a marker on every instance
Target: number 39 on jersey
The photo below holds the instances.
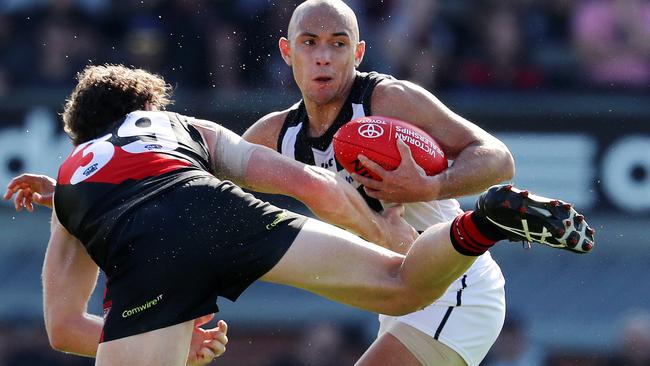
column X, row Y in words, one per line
column 139, row 148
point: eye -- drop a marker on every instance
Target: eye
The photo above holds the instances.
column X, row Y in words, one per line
column 339, row 44
column 309, row 42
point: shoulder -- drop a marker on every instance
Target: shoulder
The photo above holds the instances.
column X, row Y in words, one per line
column 267, row 129
column 392, row 94
column 410, row 102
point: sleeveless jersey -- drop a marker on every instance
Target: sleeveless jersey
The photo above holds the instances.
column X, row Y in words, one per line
column 295, row 143
column 144, row 155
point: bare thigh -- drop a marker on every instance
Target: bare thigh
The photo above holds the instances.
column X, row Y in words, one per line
column 338, row 265
column 413, row 348
column 387, row 351
column 162, row 347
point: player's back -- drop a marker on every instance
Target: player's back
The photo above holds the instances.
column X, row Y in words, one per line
column 139, row 158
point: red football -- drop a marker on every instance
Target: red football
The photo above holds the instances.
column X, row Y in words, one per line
column 376, row 138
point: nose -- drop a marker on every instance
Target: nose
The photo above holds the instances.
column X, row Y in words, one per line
column 323, row 57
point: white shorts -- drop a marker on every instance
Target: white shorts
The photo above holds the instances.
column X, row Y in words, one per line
column 468, row 317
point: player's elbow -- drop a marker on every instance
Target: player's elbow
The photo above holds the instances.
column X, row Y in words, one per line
column 57, row 336
column 59, row 332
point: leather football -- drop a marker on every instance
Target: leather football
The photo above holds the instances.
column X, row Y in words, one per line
column 376, row 138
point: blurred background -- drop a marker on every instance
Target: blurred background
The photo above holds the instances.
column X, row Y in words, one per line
column 564, row 83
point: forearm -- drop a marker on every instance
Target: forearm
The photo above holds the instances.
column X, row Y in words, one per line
column 338, row 203
column 330, row 198
column 477, row 167
column 69, row 277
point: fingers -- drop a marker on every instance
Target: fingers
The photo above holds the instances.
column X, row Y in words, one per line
column 21, row 181
column 24, row 198
column 368, row 182
column 223, row 327
column 404, row 150
column 20, row 198
column 372, row 166
column 14, row 186
column 215, row 343
column 215, row 348
column 204, row 319
column 28, row 201
column 379, row 194
column 206, row 355
column 407, row 157
column 42, row 200
column 8, row 194
column 219, row 333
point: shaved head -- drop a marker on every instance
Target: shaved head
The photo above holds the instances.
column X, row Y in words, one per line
column 321, row 10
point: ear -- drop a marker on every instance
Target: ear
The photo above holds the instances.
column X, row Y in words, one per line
column 285, row 50
column 359, row 52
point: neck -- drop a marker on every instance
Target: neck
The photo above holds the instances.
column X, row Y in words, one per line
column 322, row 116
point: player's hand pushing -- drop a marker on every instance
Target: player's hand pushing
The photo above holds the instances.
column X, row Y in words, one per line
column 207, row 344
column 407, row 183
column 30, row 189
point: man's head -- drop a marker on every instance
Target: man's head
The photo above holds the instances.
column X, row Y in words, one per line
column 323, row 48
column 106, row 94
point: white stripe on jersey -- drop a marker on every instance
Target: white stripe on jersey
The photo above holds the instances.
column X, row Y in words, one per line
column 324, row 159
column 289, row 141
column 357, row 111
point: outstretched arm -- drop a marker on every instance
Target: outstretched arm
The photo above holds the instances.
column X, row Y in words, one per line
column 327, row 195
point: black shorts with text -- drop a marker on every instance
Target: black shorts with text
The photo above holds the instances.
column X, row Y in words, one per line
column 172, row 256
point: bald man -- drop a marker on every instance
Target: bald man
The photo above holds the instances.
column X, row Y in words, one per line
column 169, row 198
column 323, row 49
column 143, row 197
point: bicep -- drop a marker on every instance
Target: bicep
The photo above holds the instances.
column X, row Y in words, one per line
column 414, row 104
column 69, row 274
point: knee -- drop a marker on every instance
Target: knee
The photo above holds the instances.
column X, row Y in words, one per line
column 408, row 300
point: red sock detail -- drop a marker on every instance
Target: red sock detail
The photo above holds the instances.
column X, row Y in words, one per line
column 473, row 231
column 466, row 237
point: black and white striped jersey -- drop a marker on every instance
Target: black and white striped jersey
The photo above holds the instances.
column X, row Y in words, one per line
column 295, row 143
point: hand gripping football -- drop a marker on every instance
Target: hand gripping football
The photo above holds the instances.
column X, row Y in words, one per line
column 376, row 138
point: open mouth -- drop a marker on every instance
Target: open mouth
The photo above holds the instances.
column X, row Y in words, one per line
column 323, row 79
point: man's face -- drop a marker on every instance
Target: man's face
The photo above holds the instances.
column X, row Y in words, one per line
column 323, row 52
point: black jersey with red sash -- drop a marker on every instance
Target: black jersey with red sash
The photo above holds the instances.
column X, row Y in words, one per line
column 146, row 154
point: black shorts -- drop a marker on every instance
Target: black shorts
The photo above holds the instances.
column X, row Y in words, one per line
column 171, row 257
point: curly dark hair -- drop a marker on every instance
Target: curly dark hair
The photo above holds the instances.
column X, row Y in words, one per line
column 106, row 94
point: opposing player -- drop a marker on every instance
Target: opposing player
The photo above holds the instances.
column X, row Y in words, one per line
column 141, row 196
column 324, row 50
